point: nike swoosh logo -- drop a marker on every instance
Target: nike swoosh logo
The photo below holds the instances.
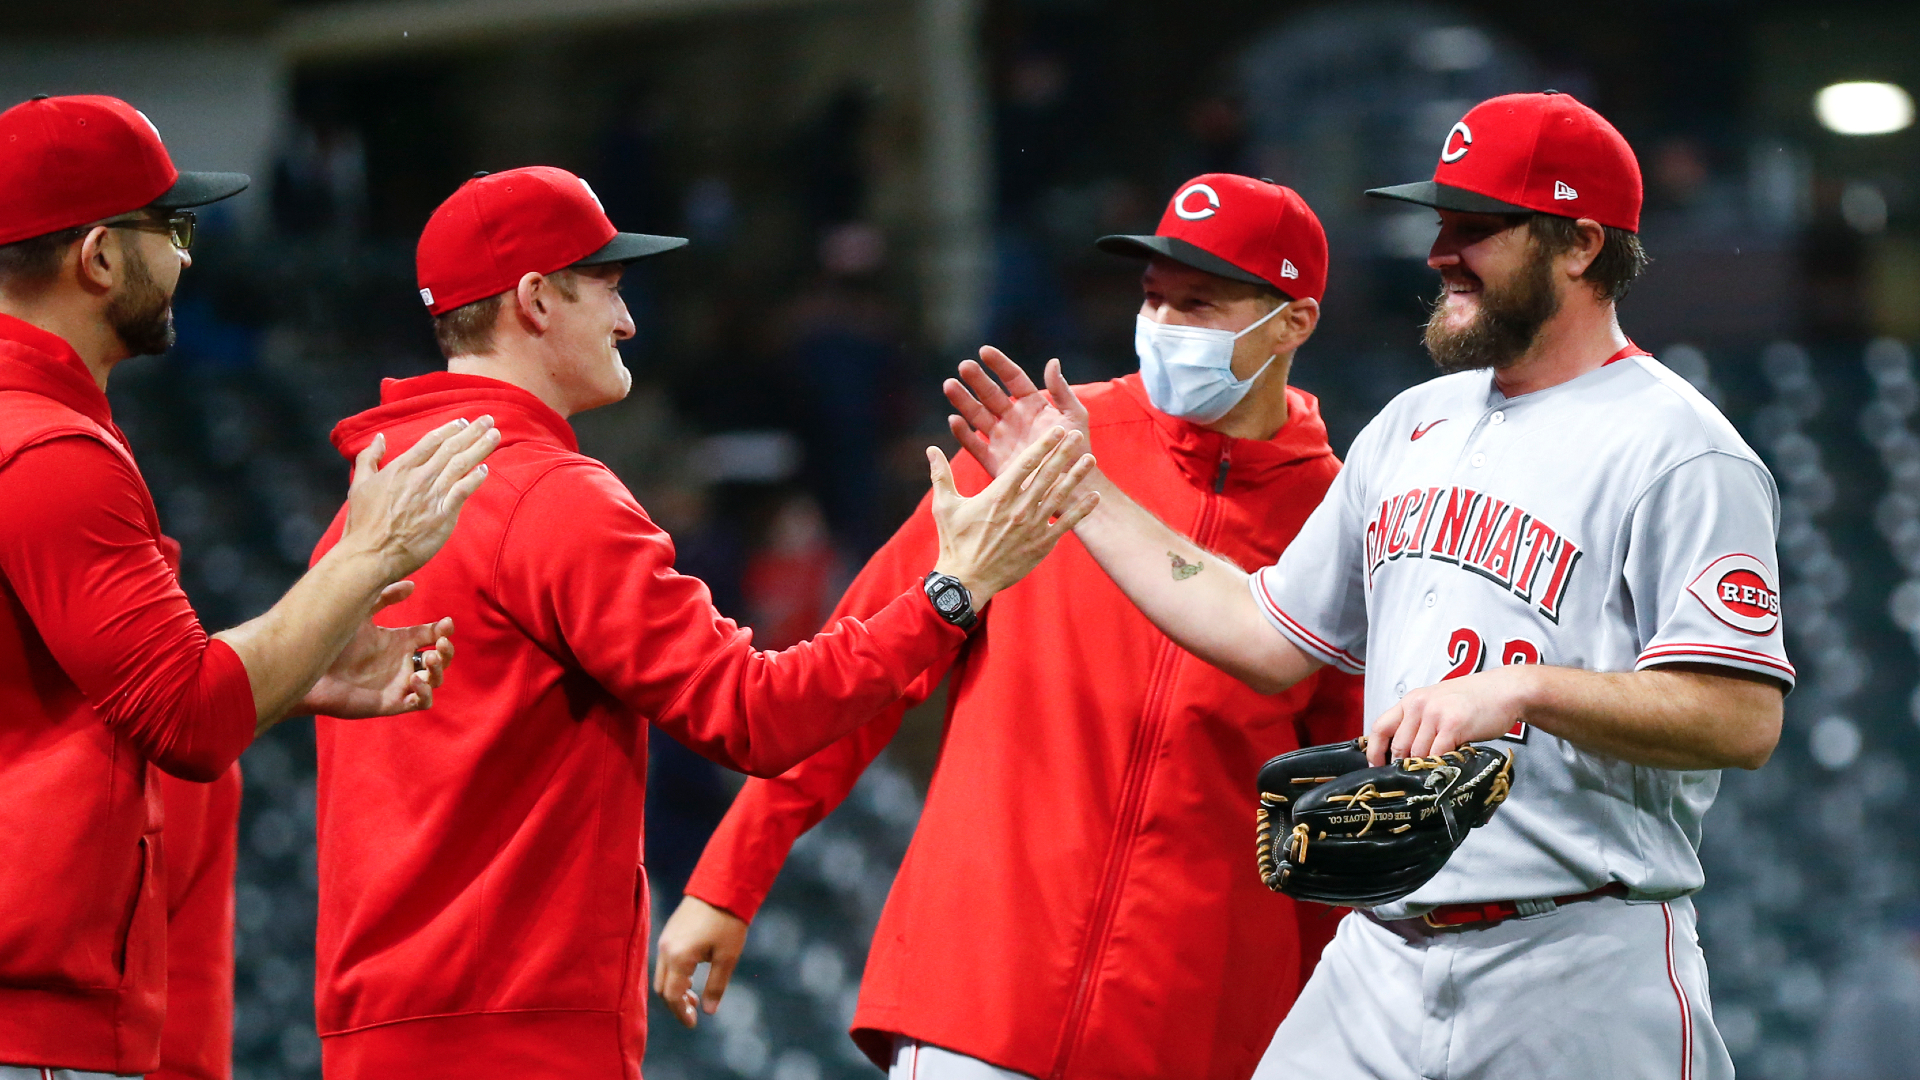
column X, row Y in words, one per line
column 1424, row 428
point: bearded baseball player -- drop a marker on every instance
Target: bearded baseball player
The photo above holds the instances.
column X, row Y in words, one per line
column 1559, row 548
column 1086, row 823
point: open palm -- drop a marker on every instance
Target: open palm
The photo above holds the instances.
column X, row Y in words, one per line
column 995, row 425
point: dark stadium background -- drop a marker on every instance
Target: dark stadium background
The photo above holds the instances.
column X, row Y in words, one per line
column 873, row 187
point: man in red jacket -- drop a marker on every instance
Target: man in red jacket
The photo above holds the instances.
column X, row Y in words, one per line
column 106, row 675
column 1078, row 899
column 483, row 907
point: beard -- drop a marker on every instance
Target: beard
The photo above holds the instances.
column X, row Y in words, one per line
column 141, row 312
column 1504, row 327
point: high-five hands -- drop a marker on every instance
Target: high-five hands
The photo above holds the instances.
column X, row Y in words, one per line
column 994, row 425
column 993, row 539
column 317, row 650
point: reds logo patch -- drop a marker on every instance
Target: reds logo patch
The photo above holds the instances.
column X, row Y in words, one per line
column 1739, row 590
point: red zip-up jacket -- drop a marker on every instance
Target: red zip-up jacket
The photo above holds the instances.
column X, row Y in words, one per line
column 203, row 823
column 483, row 909
column 105, row 673
column 1080, row 898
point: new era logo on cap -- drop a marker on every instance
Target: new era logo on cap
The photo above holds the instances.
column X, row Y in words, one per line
column 1562, row 191
column 1239, row 228
column 426, row 297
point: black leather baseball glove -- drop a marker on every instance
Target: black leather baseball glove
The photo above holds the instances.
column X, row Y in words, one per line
column 1335, row 830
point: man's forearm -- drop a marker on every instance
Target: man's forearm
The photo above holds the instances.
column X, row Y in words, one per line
column 288, row 648
column 1671, row 718
column 1194, row 596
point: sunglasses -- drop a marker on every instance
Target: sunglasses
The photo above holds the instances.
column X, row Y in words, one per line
column 178, row 225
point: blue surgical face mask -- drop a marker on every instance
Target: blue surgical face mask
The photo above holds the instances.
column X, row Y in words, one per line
column 1189, row 369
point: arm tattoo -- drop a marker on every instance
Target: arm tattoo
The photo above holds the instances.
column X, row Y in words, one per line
column 1182, row 569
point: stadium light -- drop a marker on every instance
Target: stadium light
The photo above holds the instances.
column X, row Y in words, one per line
column 1864, row 108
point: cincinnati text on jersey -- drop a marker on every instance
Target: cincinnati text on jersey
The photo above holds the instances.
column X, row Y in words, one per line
column 1490, row 537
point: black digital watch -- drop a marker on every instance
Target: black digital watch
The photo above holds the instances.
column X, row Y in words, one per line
column 950, row 599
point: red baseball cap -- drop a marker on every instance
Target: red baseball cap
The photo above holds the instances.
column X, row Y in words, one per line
column 70, row 161
column 1241, row 228
column 1533, row 153
column 499, row 227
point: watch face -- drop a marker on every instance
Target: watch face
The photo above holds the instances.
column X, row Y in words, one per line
column 949, row 601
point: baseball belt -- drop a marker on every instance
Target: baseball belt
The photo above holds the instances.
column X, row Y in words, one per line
column 1481, row 916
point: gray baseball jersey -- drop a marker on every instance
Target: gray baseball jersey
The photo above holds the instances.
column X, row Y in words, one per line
column 1612, row 523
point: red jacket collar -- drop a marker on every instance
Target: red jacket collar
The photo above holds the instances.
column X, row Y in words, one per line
column 409, row 408
column 40, row 362
column 1199, row 451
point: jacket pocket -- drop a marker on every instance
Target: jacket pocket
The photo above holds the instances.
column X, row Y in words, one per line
column 142, row 953
column 72, row 936
column 638, row 979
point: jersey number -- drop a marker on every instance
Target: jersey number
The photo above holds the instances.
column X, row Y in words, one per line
column 1467, row 653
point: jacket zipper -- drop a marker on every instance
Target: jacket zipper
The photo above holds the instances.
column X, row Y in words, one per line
column 1153, row 719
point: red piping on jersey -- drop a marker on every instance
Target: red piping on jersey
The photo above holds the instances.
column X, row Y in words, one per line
column 1630, row 350
column 1724, row 652
column 1294, row 625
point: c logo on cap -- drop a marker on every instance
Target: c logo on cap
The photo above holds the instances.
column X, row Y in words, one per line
column 1449, row 153
column 1180, row 203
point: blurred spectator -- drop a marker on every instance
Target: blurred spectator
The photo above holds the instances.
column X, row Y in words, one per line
column 709, row 212
column 795, row 578
column 1872, row 1027
column 1036, row 129
column 1679, row 173
column 1028, row 310
column 687, row 795
column 631, row 165
column 1834, row 271
column 705, row 545
column 785, row 592
column 1216, row 140
column 845, row 362
column 834, row 162
column 320, row 180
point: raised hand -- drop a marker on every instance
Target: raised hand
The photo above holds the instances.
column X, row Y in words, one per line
column 697, row 933
column 995, row 425
column 405, row 511
column 377, row 673
column 995, row 538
